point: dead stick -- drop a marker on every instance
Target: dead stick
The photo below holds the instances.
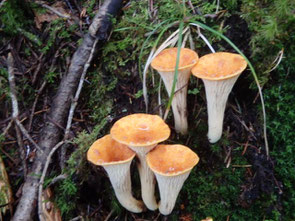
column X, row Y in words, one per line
column 21, row 150
column 69, row 123
column 52, row 9
column 15, row 110
column 35, row 103
column 48, row 160
column 75, row 100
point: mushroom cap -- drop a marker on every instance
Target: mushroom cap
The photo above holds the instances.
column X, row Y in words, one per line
column 106, row 151
column 140, row 130
column 219, row 66
column 171, row 160
column 166, row 59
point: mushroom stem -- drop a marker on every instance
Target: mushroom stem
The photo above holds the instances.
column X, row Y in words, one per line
column 165, row 64
column 179, row 100
column 120, row 179
column 116, row 159
column 169, row 187
column 147, row 178
column 217, row 93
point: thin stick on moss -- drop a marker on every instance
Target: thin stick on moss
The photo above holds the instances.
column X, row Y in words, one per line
column 15, row 109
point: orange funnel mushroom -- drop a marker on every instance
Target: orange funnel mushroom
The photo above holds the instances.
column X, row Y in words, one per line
column 116, row 159
column 165, row 64
column 142, row 132
column 219, row 72
column 172, row 165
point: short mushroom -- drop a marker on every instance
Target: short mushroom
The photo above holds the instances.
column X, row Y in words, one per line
column 116, row 159
column 219, row 72
column 165, row 64
column 172, row 165
column 142, row 132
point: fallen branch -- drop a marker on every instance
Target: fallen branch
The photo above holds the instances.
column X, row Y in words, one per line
column 50, row 135
column 69, row 123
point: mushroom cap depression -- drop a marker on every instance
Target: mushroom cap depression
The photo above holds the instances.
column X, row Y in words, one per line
column 171, row 160
column 140, row 130
column 219, row 66
column 166, row 60
column 106, row 151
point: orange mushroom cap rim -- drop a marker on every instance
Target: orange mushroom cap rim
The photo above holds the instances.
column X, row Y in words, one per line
column 140, row 130
column 171, row 160
column 106, row 151
column 219, row 66
column 166, row 59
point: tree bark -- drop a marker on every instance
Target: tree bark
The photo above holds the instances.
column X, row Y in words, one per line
column 51, row 134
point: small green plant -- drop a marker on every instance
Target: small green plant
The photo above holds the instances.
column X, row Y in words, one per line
column 67, row 190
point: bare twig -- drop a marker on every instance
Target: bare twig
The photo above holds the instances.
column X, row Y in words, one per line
column 21, row 150
column 27, row 135
column 8, row 127
column 52, row 9
column 57, row 179
column 15, row 110
column 48, row 160
column 12, row 86
column 34, row 105
column 75, row 100
column 109, row 215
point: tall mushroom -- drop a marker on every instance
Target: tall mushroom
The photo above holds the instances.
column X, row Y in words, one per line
column 116, row 159
column 172, row 165
column 219, row 72
column 165, row 64
column 142, row 132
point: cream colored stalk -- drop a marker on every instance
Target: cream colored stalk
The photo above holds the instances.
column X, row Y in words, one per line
column 119, row 175
column 165, row 63
column 142, row 132
column 169, row 187
column 116, row 158
column 219, row 72
column 172, row 165
column 217, row 93
column 147, row 178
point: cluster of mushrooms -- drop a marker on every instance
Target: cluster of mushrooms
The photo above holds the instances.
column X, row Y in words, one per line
column 219, row 72
column 139, row 134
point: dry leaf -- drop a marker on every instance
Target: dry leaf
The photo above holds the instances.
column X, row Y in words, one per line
column 49, row 209
column 5, row 190
column 186, row 217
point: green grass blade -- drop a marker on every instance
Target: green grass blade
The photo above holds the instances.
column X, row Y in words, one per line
column 146, row 41
column 179, row 43
column 145, row 96
column 196, row 23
